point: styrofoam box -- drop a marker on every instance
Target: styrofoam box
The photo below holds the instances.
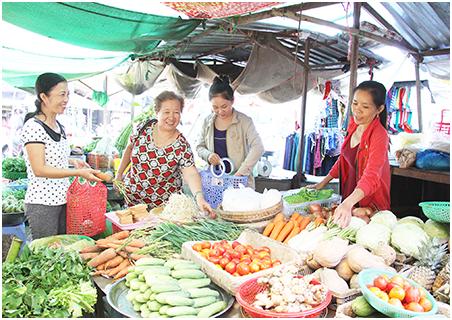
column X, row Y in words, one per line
column 288, row 209
column 229, row 282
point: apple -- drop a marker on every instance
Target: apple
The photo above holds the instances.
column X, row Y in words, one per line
column 426, row 304
column 380, row 283
column 396, row 302
column 414, row 306
column 412, row 295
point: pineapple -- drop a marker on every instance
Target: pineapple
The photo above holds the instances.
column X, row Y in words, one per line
column 430, row 256
column 442, row 278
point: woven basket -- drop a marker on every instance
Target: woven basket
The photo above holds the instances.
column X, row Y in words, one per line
column 251, row 216
column 340, row 299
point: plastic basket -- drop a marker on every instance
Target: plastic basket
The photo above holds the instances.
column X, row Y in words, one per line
column 438, row 211
column 367, row 276
column 246, row 295
column 213, row 187
column 288, row 209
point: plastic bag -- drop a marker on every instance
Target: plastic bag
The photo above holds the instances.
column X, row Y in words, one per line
column 433, row 160
column 86, row 207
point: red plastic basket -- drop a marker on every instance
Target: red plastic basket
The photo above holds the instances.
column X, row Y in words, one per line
column 246, row 295
column 444, row 125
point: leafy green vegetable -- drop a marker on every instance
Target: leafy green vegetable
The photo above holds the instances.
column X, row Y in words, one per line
column 436, row 230
column 14, row 164
column 308, row 195
column 46, row 283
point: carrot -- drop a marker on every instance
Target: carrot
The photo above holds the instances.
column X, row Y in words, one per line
column 89, row 255
column 300, row 217
column 104, row 176
column 318, row 221
column 104, row 256
column 285, row 231
column 116, row 261
column 90, row 249
column 304, row 223
column 278, row 217
column 268, row 229
column 136, row 243
column 294, row 216
column 101, row 267
column 100, row 272
column 123, row 254
column 277, row 229
column 131, row 249
column 109, row 245
column 122, row 273
column 119, row 235
column 293, row 233
column 135, row 256
column 121, row 266
column 108, row 241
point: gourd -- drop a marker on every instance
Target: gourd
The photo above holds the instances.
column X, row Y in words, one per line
column 329, row 253
column 361, row 307
column 386, row 252
column 332, row 281
column 354, row 283
column 344, row 270
column 359, row 258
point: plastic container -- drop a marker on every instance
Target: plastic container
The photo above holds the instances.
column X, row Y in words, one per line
column 113, row 218
column 438, row 211
column 246, row 295
column 288, row 209
column 367, row 276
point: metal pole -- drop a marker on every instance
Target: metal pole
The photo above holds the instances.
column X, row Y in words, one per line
column 418, row 92
column 300, row 175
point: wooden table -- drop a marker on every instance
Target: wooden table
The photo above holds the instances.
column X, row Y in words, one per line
column 425, row 175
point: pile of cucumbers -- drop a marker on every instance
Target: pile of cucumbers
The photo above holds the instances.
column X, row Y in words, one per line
column 170, row 289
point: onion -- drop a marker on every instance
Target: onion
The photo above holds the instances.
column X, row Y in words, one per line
column 314, row 208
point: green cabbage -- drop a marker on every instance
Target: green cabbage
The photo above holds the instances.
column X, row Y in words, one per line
column 371, row 235
column 414, row 220
column 408, row 238
column 385, row 217
column 436, row 230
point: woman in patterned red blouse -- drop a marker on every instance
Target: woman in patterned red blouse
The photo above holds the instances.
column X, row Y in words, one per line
column 160, row 157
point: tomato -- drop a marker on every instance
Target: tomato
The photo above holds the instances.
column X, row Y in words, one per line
column 385, row 276
column 391, row 285
column 219, row 267
column 206, row 245
column 397, row 293
column 250, row 251
column 236, row 254
column 235, row 244
column 422, row 293
column 414, row 306
column 380, row 283
column 214, row 253
column 206, row 251
column 265, row 249
column 375, row 290
column 266, row 265
column 276, row 262
column 235, row 260
column 383, row 296
column 412, row 295
column 240, row 249
column 236, row 274
column 214, row 259
column 396, row 302
column 243, row 269
column 247, row 260
column 197, row 247
column 263, row 254
column 245, row 257
column 231, row 267
column 203, row 254
column 254, row 267
column 397, row 280
column 221, row 250
column 223, row 262
column 224, row 242
column 227, row 256
column 425, row 304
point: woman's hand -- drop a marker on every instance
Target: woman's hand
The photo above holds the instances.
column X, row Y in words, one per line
column 119, row 177
column 204, row 206
column 88, row 174
column 214, row 159
column 343, row 214
column 316, row 186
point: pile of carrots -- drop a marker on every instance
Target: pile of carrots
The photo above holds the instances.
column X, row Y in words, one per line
column 283, row 230
column 114, row 255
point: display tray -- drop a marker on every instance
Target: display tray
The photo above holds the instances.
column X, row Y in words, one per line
column 116, row 297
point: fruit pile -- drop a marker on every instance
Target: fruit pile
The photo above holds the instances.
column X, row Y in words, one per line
column 236, row 258
column 400, row 293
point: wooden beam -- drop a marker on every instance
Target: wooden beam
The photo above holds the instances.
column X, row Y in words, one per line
column 386, row 24
column 353, row 31
column 418, row 92
column 270, row 13
column 436, row 52
column 232, row 47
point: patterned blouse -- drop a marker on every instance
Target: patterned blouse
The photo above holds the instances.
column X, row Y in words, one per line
column 155, row 172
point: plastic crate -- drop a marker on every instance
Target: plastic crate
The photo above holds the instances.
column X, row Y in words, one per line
column 288, row 209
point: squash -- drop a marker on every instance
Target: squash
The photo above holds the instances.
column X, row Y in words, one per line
column 361, row 307
column 354, row 283
column 386, row 252
column 332, row 281
column 329, row 253
column 344, row 271
column 359, row 258
column 312, row 263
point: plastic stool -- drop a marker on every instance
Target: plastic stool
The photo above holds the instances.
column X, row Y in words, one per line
column 18, row 231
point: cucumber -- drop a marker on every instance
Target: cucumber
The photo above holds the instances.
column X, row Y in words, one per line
column 203, row 301
column 188, row 274
column 193, row 283
column 179, row 301
column 144, row 308
column 147, row 294
column 151, row 269
column 203, row 292
column 210, row 310
column 131, row 295
column 154, row 306
column 181, row 311
column 139, row 297
column 155, row 279
column 170, row 263
column 152, row 296
column 135, row 284
column 149, row 262
column 163, row 309
column 143, row 287
column 153, row 315
column 136, row 306
column 141, row 277
column 188, row 265
column 159, row 288
column 161, row 297
column 131, row 275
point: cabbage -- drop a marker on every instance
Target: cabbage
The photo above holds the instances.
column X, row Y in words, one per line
column 436, row 229
column 386, row 218
column 372, row 234
column 413, row 220
column 356, row 223
column 408, row 238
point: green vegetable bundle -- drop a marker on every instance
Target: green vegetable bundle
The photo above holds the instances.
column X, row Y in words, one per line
column 308, row 195
column 47, row 283
column 11, row 204
column 14, row 168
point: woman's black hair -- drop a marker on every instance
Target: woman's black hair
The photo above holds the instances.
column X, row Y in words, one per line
column 378, row 94
column 222, row 88
column 44, row 84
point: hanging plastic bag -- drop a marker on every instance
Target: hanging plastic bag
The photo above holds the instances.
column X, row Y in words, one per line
column 86, row 207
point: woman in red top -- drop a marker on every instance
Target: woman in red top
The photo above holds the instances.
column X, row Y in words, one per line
column 363, row 166
column 160, row 158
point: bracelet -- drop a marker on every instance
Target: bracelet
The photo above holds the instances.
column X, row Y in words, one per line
column 196, row 194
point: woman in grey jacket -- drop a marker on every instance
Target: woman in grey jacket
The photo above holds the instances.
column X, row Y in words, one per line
column 229, row 133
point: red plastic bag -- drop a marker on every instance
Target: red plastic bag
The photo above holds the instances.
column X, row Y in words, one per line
column 86, row 207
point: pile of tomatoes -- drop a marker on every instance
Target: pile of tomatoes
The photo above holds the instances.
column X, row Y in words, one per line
column 236, row 258
column 400, row 293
